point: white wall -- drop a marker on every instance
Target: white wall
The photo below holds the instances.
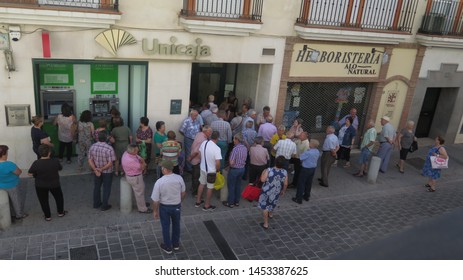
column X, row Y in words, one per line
column 434, row 57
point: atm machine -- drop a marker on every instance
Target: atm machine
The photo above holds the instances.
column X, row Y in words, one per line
column 52, row 100
column 101, row 105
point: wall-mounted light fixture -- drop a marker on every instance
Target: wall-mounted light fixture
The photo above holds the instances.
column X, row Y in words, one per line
column 314, row 55
column 385, row 57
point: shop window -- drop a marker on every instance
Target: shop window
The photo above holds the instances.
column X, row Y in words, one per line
column 320, row 104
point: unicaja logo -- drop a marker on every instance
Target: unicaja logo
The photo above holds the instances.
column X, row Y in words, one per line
column 196, row 50
column 113, row 39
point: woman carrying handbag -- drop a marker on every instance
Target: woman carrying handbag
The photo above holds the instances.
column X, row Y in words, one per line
column 433, row 174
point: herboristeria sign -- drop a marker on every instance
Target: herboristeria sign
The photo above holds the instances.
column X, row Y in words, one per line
column 335, row 61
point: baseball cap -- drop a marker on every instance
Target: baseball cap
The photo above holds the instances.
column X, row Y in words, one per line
column 167, row 165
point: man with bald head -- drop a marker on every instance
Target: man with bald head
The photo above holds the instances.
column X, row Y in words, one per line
column 353, row 115
column 329, row 150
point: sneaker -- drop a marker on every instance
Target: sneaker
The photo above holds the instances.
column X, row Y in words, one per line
column 210, row 208
column 106, row 208
column 176, row 247
column 148, row 211
column 199, row 204
column 166, row 249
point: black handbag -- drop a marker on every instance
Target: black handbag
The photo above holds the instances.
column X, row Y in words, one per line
column 413, row 147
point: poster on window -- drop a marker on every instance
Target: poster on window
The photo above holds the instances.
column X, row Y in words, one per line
column 55, row 74
column 104, row 78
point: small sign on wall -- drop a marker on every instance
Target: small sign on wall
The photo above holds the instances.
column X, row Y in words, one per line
column 18, row 115
column 176, row 106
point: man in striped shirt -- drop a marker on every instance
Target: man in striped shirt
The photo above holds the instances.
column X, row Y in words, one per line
column 225, row 135
column 237, row 162
column 170, row 150
column 100, row 159
column 190, row 127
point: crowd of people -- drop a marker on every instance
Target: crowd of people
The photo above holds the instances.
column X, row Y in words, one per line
column 250, row 146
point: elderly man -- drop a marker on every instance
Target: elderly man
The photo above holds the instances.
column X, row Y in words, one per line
column 264, row 116
column 225, row 135
column 168, row 194
column 252, row 114
column 133, row 166
column 100, row 159
column 386, row 141
column 353, row 115
column 237, row 162
column 309, row 160
column 267, row 130
column 190, row 127
column 302, row 145
column 195, row 157
column 210, row 163
column 259, row 158
column 329, row 150
column 366, row 147
column 213, row 116
column 287, row 148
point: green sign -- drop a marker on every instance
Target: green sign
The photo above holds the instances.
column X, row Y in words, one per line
column 104, row 78
column 56, row 74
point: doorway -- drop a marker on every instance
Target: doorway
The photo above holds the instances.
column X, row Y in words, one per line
column 427, row 112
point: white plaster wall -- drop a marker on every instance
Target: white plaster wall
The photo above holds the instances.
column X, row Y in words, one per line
column 166, row 81
column 434, row 57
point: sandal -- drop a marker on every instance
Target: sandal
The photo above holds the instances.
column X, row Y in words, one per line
column 427, row 186
column 226, row 204
column 431, row 189
column 264, row 227
column 62, row 214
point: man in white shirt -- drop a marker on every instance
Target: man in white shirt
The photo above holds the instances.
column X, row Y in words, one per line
column 287, row 148
column 210, row 163
column 167, row 196
column 329, row 150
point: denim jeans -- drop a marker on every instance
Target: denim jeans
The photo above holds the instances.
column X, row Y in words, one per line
column 234, row 185
column 106, row 179
column 168, row 213
column 304, row 183
column 187, row 142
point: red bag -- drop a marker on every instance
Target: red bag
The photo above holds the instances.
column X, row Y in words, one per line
column 251, row 192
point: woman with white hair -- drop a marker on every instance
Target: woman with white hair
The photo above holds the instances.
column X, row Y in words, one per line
column 405, row 140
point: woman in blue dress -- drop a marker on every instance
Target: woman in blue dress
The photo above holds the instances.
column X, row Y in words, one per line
column 434, row 174
column 275, row 181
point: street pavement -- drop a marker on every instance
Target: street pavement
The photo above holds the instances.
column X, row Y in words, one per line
column 393, row 219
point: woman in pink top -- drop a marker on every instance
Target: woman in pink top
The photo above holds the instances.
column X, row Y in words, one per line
column 133, row 166
column 65, row 122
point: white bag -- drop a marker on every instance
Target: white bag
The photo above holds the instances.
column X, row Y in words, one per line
column 439, row 163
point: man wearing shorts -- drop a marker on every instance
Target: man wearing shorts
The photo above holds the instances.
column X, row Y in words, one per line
column 210, row 163
column 368, row 143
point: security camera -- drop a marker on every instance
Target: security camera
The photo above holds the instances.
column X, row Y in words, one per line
column 15, row 33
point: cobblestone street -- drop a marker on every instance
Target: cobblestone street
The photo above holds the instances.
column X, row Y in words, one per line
column 346, row 216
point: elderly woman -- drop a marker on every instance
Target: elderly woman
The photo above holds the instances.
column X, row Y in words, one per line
column 275, row 181
column 121, row 136
column 346, row 137
column 65, row 122
column 434, row 174
column 38, row 135
column 134, row 166
column 159, row 138
column 295, row 130
column 86, row 130
column 145, row 137
column 405, row 140
column 237, row 162
column 46, row 173
column 9, row 179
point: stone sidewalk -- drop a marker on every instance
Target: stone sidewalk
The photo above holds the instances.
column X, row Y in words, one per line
column 348, row 215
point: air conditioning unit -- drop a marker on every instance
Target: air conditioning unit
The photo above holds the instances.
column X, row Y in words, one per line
column 433, row 24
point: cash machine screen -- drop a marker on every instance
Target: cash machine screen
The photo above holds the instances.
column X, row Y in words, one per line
column 55, row 109
column 101, row 107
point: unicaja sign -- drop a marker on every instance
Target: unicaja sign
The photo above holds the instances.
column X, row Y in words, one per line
column 196, row 50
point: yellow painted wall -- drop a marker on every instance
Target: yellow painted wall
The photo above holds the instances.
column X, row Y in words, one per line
column 392, row 103
column 402, row 62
